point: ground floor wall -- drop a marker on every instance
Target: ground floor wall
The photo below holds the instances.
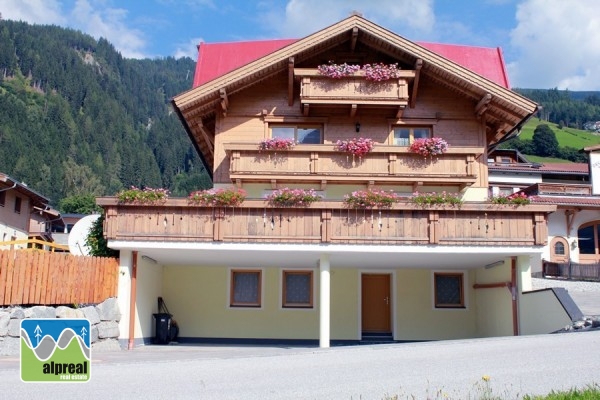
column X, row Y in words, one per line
column 198, row 298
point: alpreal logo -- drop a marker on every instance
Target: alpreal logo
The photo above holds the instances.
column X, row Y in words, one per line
column 55, row 350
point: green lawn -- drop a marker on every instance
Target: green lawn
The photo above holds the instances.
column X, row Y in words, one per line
column 567, row 137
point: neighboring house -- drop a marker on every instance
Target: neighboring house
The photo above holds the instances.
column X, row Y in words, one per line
column 62, row 227
column 24, row 214
column 327, row 272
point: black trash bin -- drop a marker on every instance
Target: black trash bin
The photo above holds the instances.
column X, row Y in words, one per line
column 163, row 328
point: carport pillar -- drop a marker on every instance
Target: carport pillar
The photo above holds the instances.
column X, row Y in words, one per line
column 324, row 303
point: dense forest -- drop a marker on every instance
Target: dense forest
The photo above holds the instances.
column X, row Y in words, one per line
column 79, row 120
column 76, row 118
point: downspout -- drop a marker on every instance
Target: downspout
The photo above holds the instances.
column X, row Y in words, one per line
column 132, row 296
column 8, row 188
column 514, row 289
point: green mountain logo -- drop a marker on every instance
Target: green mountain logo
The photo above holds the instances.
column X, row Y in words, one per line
column 55, row 350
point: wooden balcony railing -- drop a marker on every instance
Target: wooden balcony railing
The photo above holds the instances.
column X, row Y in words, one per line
column 328, row 222
column 321, row 163
column 571, row 189
column 316, row 89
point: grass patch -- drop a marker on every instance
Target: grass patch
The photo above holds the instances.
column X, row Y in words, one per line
column 592, row 392
column 567, row 137
column 541, row 160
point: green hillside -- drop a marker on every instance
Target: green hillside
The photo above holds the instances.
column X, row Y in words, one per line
column 567, row 137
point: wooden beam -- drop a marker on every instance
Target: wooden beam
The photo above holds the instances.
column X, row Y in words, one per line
column 291, row 81
column 483, row 104
column 415, row 88
column 570, row 216
column 323, row 184
column 209, row 143
column 305, row 108
column 224, row 101
column 353, row 110
column 354, row 39
column 400, row 112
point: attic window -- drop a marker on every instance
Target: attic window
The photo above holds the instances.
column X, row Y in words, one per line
column 302, row 134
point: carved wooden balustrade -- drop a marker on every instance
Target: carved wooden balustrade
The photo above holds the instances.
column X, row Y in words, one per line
column 385, row 164
column 254, row 221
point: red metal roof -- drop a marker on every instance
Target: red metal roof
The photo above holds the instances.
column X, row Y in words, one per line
column 582, row 168
column 216, row 59
column 567, row 200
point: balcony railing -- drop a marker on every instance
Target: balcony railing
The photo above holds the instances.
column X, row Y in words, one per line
column 571, row 189
column 356, row 89
column 328, row 222
column 384, row 165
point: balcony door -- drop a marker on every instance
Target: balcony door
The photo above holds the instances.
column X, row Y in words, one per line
column 376, row 303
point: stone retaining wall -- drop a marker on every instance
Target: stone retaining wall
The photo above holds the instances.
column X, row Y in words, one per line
column 104, row 320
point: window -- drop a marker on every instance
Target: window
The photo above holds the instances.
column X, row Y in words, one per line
column 404, row 136
column 297, row 289
column 302, row 134
column 559, row 248
column 18, row 205
column 448, row 290
column 245, row 288
column 2, row 199
column 587, row 237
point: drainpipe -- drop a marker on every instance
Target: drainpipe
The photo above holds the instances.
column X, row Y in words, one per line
column 514, row 291
column 132, row 296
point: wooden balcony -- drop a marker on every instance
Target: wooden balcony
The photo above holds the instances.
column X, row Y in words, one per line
column 355, row 90
column 322, row 164
column 570, row 189
column 474, row 224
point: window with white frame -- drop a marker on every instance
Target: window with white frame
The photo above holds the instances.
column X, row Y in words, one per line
column 245, row 290
column 406, row 135
column 297, row 289
column 449, row 290
column 301, row 133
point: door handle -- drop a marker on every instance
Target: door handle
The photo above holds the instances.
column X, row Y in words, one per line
column 387, row 300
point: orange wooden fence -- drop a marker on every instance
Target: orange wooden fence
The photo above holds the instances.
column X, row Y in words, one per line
column 41, row 277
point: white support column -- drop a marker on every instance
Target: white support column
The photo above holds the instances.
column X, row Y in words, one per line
column 324, row 301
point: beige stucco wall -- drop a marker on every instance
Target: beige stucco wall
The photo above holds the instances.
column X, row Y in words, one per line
column 416, row 315
column 494, row 305
column 540, row 312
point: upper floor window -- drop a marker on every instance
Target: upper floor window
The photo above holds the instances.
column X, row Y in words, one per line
column 302, row 134
column 18, row 205
column 405, row 135
column 2, row 199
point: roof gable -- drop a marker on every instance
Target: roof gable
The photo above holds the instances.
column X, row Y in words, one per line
column 217, row 59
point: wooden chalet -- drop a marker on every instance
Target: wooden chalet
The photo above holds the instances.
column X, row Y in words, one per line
column 325, row 272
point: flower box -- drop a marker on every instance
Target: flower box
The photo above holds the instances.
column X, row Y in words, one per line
column 147, row 196
column 218, row 197
column 287, row 197
column 370, row 198
column 433, row 199
column 357, row 147
column 276, row 144
column 429, row 147
column 516, row 199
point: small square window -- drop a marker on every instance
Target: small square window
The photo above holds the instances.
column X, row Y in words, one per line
column 449, row 290
column 297, row 289
column 245, row 288
column 18, row 205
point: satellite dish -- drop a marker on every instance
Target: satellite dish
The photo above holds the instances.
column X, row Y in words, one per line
column 79, row 234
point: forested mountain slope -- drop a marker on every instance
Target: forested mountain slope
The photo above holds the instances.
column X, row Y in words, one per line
column 77, row 118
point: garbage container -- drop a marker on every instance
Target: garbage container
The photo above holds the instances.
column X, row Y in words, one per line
column 163, row 328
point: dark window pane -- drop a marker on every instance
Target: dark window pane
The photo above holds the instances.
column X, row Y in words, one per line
column 585, row 238
column 448, row 289
column 421, row 133
column 309, row 135
column 297, row 289
column 559, row 248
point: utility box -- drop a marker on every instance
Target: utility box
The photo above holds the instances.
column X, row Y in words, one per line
column 162, row 333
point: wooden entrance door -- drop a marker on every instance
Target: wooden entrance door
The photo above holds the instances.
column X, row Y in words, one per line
column 376, row 303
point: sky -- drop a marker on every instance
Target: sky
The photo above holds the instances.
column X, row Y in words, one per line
column 545, row 43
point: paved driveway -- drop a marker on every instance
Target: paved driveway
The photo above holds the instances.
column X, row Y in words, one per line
column 515, row 365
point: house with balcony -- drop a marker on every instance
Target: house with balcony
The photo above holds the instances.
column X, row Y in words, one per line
column 25, row 215
column 329, row 272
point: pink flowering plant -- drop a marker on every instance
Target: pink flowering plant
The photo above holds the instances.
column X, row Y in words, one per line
column 287, row 197
column 517, row 199
column 381, row 72
column 433, row 199
column 223, row 197
column 147, row 195
column 429, row 147
column 276, row 144
column 337, row 71
column 370, row 198
column 357, row 147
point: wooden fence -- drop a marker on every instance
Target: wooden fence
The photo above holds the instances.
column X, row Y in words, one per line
column 572, row 270
column 44, row 278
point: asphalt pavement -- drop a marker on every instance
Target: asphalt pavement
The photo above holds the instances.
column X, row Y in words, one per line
column 506, row 367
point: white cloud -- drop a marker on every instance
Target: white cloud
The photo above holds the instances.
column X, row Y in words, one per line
column 189, row 49
column 558, row 43
column 303, row 17
column 110, row 23
column 33, row 11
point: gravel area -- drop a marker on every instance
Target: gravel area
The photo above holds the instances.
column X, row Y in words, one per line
column 541, row 283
